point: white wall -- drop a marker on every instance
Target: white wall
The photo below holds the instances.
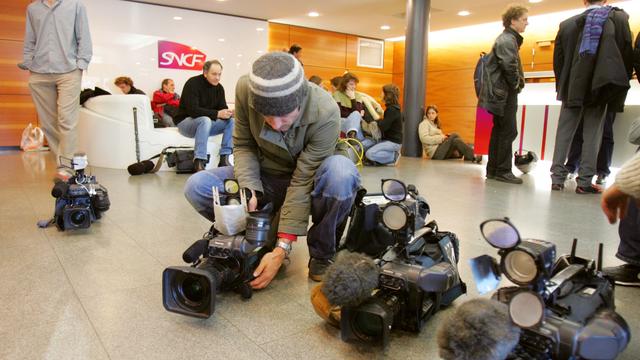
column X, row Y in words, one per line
column 125, row 37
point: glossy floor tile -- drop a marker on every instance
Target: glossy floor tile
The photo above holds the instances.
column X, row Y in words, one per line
column 96, row 293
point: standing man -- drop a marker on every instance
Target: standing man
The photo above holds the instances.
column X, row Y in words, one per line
column 503, row 79
column 284, row 140
column 592, row 61
column 57, row 48
column 203, row 112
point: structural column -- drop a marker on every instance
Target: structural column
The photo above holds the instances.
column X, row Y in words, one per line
column 415, row 65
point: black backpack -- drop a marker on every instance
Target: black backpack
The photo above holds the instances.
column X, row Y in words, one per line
column 479, row 72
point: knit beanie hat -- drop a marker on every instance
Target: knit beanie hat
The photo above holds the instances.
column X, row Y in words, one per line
column 277, row 84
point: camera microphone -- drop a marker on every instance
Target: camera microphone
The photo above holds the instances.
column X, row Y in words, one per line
column 140, row 168
column 350, row 280
column 479, row 329
column 59, row 188
column 196, row 250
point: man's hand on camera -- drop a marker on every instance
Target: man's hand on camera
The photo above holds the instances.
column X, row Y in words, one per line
column 268, row 268
column 224, row 114
column 252, row 204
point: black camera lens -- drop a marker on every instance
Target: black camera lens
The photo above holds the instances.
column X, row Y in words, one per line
column 368, row 326
column 192, row 289
column 78, row 217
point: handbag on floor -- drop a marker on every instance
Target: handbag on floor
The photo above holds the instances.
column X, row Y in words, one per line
column 32, row 138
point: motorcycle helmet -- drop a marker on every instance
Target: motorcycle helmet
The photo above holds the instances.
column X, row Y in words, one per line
column 526, row 162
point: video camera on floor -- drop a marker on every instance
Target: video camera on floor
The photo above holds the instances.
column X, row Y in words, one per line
column 565, row 307
column 79, row 200
column 218, row 262
column 418, row 271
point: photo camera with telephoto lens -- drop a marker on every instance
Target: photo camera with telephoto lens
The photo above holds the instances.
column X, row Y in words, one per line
column 564, row 307
column 218, row 262
column 418, row 270
column 79, row 200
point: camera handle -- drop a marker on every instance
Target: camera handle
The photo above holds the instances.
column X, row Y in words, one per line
column 245, row 291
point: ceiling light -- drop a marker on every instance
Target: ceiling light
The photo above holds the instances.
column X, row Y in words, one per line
column 313, row 14
column 464, row 13
column 177, row 18
column 259, row 29
column 535, row 1
column 239, row 55
column 221, row 40
column 385, row 27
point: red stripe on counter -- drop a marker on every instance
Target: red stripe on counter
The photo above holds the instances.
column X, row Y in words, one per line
column 544, row 131
column 524, row 115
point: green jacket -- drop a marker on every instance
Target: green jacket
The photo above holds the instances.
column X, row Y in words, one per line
column 298, row 153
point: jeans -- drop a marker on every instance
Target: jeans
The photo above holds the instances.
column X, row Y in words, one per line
column 384, row 152
column 335, row 184
column 629, row 230
column 167, row 121
column 604, row 154
column 504, row 131
column 201, row 128
column 351, row 123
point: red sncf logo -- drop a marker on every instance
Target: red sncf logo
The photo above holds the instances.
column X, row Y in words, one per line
column 172, row 55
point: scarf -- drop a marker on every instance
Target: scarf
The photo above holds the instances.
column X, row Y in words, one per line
column 593, row 28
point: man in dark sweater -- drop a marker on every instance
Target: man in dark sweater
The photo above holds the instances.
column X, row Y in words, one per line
column 203, row 112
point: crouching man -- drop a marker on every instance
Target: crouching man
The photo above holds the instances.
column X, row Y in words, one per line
column 284, row 140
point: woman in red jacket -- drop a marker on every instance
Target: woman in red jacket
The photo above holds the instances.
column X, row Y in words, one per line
column 165, row 103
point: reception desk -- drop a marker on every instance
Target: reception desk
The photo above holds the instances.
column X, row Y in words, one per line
column 538, row 114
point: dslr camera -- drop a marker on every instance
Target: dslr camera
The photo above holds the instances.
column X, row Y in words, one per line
column 564, row 307
column 218, row 262
column 418, row 269
column 79, row 200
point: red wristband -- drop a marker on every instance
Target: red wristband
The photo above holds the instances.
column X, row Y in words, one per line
column 289, row 237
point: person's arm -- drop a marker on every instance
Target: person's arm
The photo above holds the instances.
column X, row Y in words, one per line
column 29, row 46
column 83, row 37
column 624, row 40
column 429, row 134
column 391, row 115
column 245, row 148
column 222, row 101
column 634, row 132
column 626, row 188
column 191, row 101
column 628, row 178
column 636, row 57
column 507, row 54
column 558, row 58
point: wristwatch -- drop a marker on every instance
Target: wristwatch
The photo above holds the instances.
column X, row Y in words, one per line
column 284, row 246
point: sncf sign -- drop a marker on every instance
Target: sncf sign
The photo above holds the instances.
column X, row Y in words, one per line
column 172, row 55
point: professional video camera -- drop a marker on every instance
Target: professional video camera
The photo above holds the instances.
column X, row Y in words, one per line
column 80, row 200
column 565, row 307
column 218, row 262
column 417, row 272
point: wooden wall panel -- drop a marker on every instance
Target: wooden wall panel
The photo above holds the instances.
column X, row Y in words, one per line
column 320, row 48
column 371, row 83
column 16, row 111
column 324, row 72
column 456, row 119
column 442, row 91
column 278, row 37
column 12, row 80
column 352, row 56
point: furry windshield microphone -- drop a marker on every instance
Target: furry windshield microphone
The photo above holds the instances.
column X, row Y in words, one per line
column 480, row 329
column 350, row 280
column 140, row 168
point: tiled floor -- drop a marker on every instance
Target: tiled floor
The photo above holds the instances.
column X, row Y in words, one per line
column 96, row 294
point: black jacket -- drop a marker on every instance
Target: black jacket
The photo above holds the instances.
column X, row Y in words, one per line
column 391, row 124
column 200, row 98
column 503, row 73
column 636, row 57
column 597, row 79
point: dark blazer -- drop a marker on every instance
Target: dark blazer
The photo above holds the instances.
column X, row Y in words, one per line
column 597, row 79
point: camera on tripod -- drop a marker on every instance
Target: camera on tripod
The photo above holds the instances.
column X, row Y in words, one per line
column 79, row 200
column 218, row 262
column 564, row 307
column 418, row 271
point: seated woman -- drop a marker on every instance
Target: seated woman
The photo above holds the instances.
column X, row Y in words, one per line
column 439, row 146
column 165, row 103
column 387, row 151
column 355, row 106
column 126, row 85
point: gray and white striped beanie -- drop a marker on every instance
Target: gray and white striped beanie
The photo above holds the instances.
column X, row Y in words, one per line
column 277, row 84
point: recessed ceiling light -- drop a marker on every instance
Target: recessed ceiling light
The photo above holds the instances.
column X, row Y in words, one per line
column 313, row 14
column 259, row 29
column 464, row 13
column 260, row 51
column 239, row 55
column 535, row 1
column 137, row 63
column 177, row 18
column 221, row 40
column 385, row 27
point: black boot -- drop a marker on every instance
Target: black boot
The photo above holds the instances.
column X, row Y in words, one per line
column 226, row 160
column 199, row 164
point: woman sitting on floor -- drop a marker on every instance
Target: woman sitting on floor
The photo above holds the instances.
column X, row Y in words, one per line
column 439, row 146
column 387, row 151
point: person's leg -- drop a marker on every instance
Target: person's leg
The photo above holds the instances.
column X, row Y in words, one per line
column 224, row 127
column 464, row 149
column 508, row 133
column 575, row 151
column 383, row 152
column 493, row 146
column 198, row 189
column 567, row 125
column 68, row 111
column 592, row 136
column 335, row 185
column 198, row 128
column 45, row 97
column 352, row 123
column 606, row 147
column 167, row 121
column 628, row 250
